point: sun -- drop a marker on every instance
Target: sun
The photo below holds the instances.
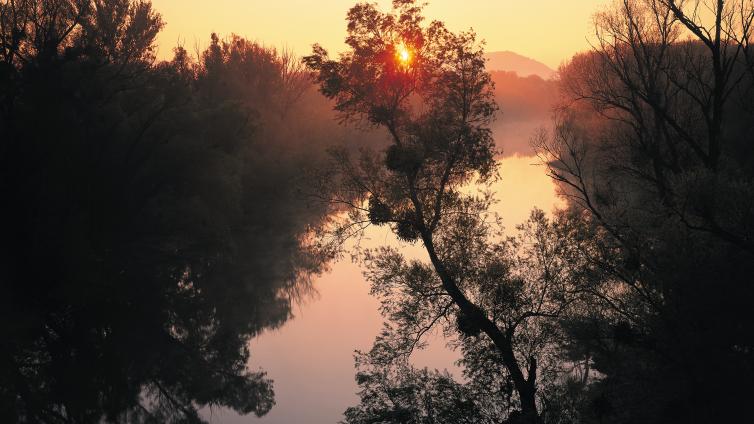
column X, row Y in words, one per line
column 403, row 53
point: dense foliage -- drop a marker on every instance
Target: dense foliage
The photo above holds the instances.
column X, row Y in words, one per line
column 436, row 103
column 151, row 221
column 654, row 151
column 157, row 215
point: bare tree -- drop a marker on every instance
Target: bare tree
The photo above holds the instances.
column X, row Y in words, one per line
column 668, row 75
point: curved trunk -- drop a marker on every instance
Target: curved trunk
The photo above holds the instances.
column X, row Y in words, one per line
column 526, row 388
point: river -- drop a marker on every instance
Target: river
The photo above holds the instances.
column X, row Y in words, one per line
column 310, row 358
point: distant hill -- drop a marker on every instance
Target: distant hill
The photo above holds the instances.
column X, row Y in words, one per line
column 522, row 65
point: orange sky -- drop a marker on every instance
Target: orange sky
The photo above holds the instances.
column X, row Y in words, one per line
column 546, row 30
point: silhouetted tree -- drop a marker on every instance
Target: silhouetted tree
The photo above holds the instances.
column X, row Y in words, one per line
column 523, row 283
column 407, row 395
column 653, row 149
column 145, row 233
column 428, row 88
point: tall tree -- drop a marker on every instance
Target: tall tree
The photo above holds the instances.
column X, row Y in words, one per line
column 653, row 149
column 428, row 88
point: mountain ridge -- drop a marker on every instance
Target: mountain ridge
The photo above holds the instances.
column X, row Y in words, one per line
column 507, row 60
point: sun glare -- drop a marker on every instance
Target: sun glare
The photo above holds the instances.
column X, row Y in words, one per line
column 404, row 55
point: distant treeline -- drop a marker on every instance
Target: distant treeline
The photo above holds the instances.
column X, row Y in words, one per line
column 526, row 106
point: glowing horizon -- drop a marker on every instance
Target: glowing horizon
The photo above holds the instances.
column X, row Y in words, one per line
column 549, row 31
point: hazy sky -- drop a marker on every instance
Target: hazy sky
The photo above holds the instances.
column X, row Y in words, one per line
column 546, row 30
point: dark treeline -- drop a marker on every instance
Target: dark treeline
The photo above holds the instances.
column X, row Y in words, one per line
column 631, row 305
column 151, row 218
column 157, row 215
column 654, row 149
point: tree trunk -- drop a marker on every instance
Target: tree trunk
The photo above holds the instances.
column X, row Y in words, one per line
column 526, row 389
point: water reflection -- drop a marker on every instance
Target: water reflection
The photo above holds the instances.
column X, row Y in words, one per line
column 311, row 357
